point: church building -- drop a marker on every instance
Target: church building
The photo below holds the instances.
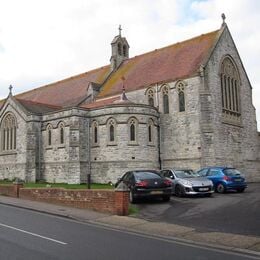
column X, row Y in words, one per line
column 187, row 105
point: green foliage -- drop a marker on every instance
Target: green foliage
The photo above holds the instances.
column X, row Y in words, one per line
column 42, row 184
column 133, row 210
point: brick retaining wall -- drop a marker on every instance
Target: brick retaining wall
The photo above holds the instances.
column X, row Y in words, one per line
column 8, row 190
column 107, row 201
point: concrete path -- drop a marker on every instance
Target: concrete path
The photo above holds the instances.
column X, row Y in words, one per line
column 250, row 244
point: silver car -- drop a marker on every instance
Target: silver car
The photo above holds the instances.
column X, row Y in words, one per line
column 187, row 182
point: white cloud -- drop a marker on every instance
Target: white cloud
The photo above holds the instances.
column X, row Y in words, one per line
column 47, row 40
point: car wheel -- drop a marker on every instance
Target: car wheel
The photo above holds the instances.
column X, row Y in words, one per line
column 220, row 188
column 166, row 198
column 241, row 190
column 178, row 191
column 131, row 197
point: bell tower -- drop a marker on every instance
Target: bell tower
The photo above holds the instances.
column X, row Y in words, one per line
column 120, row 50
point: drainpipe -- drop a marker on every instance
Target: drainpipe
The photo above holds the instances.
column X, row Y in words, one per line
column 159, row 143
column 89, row 157
column 39, row 151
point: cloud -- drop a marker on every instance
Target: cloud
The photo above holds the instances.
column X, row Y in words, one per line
column 44, row 41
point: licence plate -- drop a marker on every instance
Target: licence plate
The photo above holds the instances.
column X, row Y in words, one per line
column 238, row 179
column 203, row 189
column 156, row 192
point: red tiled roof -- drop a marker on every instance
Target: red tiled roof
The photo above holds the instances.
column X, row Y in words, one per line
column 101, row 103
column 177, row 61
column 163, row 65
column 68, row 92
column 37, row 108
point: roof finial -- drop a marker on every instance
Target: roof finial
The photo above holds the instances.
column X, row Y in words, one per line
column 123, row 96
column 223, row 19
column 10, row 89
column 120, row 29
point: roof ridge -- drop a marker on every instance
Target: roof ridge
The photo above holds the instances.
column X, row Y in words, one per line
column 171, row 45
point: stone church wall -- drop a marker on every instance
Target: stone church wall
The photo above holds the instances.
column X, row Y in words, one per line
column 110, row 160
column 231, row 145
column 13, row 163
column 61, row 162
column 179, row 131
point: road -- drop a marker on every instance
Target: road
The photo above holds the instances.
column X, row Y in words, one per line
column 236, row 213
column 25, row 234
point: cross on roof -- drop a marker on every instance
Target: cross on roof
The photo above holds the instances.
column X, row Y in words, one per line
column 120, row 29
column 10, row 89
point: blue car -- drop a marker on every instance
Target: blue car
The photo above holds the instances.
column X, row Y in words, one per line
column 224, row 178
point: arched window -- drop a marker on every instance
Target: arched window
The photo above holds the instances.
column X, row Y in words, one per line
column 132, row 125
column 111, row 131
column 119, row 48
column 61, row 129
column 181, row 96
column 8, row 133
column 165, row 92
column 230, row 88
column 49, row 134
column 150, row 131
column 150, row 95
column 125, row 50
column 95, row 132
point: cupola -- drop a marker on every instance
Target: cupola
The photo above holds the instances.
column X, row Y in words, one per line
column 120, row 50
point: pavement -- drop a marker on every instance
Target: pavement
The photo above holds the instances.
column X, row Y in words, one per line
column 227, row 241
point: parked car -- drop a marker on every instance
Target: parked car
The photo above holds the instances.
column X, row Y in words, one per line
column 146, row 183
column 224, row 178
column 187, row 182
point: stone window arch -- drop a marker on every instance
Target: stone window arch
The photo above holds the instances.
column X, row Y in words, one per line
column 61, row 128
column 8, row 132
column 230, row 89
column 111, row 126
column 181, row 96
column 49, row 134
column 150, row 131
column 132, row 130
column 150, row 96
column 165, row 95
column 95, row 132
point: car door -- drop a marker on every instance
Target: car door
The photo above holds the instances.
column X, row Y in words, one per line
column 214, row 175
column 169, row 174
column 127, row 178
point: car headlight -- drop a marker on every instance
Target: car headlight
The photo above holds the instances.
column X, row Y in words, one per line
column 186, row 183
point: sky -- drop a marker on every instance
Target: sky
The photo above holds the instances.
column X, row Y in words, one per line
column 45, row 41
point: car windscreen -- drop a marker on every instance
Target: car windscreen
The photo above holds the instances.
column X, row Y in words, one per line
column 146, row 175
column 232, row 172
column 186, row 174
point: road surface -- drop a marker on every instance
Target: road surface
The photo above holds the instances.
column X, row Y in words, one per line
column 25, row 234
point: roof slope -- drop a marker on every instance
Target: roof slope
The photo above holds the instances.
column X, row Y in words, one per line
column 177, row 61
column 163, row 65
column 37, row 108
column 68, row 92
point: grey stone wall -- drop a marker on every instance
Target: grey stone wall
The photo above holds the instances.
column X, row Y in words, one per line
column 110, row 160
column 61, row 162
column 179, row 131
column 13, row 164
column 226, row 143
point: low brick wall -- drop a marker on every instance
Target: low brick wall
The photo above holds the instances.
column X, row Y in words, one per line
column 8, row 190
column 107, row 201
column 100, row 200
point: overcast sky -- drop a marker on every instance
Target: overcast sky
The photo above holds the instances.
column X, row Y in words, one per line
column 47, row 40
